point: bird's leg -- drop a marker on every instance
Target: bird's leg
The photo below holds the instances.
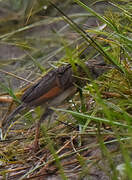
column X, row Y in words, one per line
column 36, row 140
column 83, row 108
column 47, row 112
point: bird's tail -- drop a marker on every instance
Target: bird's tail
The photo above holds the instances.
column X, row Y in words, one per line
column 10, row 119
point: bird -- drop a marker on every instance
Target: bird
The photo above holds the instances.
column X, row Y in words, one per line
column 55, row 87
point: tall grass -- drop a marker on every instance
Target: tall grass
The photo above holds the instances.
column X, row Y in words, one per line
column 114, row 43
column 103, row 113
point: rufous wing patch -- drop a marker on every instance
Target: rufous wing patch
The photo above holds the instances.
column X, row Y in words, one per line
column 53, row 92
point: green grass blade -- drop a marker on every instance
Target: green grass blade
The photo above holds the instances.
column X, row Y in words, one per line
column 89, row 39
column 95, row 14
column 10, row 92
column 97, row 119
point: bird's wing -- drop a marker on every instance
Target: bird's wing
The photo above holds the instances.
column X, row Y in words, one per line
column 51, row 85
column 39, row 88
